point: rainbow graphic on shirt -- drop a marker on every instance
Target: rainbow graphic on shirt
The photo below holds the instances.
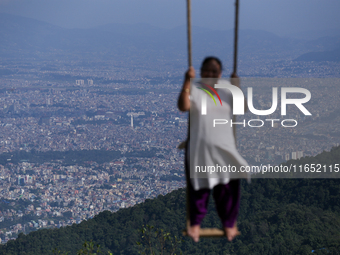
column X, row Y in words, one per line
column 208, row 92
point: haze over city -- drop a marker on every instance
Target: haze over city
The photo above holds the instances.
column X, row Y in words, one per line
column 88, row 96
column 280, row 17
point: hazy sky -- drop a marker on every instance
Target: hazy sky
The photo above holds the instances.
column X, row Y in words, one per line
column 278, row 16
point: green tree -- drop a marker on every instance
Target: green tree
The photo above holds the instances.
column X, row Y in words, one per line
column 89, row 248
column 157, row 241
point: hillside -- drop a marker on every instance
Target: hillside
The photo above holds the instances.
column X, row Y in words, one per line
column 286, row 216
column 277, row 216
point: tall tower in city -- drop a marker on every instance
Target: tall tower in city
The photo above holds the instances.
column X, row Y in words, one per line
column 294, row 156
column 131, row 120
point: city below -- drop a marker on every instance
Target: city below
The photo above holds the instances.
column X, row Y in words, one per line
column 84, row 133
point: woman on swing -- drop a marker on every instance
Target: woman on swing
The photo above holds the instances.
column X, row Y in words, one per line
column 215, row 147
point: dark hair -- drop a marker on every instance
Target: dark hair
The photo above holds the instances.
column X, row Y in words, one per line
column 208, row 59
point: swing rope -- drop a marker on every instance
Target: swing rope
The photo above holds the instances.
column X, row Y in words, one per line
column 189, row 31
column 235, row 55
column 236, row 36
column 206, row 232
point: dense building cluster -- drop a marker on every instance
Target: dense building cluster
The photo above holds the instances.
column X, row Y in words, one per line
column 125, row 111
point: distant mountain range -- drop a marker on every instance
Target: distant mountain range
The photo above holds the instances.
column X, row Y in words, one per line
column 20, row 37
column 314, row 34
column 333, row 55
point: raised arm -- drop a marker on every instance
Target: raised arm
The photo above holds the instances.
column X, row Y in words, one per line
column 183, row 100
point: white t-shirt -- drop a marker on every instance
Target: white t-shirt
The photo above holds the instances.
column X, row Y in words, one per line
column 212, row 150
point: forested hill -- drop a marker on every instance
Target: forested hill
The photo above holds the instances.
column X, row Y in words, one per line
column 278, row 216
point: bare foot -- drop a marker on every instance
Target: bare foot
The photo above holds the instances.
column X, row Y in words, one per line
column 231, row 233
column 194, row 232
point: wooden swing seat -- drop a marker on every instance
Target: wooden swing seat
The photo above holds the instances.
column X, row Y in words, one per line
column 209, row 232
